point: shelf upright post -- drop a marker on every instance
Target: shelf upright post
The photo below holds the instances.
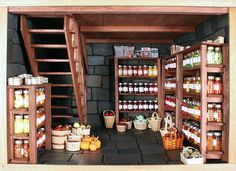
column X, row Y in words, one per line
column 116, row 90
column 160, row 88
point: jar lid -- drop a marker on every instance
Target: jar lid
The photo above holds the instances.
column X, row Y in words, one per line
column 149, row 66
column 26, row 141
column 130, row 66
column 18, row 92
column 210, row 105
column 217, row 48
column 120, row 66
column 217, row 78
column 211, row 77
column 130, row 101
column 210, row 47
column 134, row 66
column 144, row 65
column 124, row 66
column 26, row 116
column 210, row 134
column 120, row 83
column 124, row 101
column 218, row 106
column 120, row 100
column 135, row 101
column 217, row 133
column 18, row 116
column 26, row 91
column 130, row 83
column 140, row 101
column 18, row 142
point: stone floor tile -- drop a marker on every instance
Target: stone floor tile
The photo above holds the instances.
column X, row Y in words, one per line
column 129, row 151
column 174, row 155
column 87, row 159
column 151, row 149
column 122, row 159
column 155, row 159
column 175, row 162
column 55, row 156
column 126, row 144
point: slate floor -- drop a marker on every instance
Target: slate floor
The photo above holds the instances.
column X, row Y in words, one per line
column 130, row 148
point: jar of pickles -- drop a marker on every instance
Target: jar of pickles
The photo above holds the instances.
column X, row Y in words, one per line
column 120, row 70
column 26, row 98
column 218, row 116
column 210, row 55
column 26, row 148
column 130, row 70
column 218, row 56
column 124, row 71
column 210, row 113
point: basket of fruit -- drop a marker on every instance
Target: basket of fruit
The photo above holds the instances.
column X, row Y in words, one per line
column 190, row 155
column 74, row 137
column 121, row 127
column 59, row 136
column 140, row 123
column 127, row 122
column 109, row 118
column 154, row 122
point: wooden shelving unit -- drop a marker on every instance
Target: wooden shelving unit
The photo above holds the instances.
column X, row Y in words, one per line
column 203, row 70
column 157, row 79
column 31, row 111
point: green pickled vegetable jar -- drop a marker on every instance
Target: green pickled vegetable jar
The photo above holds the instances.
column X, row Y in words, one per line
column 210, row 55
column 218, row 56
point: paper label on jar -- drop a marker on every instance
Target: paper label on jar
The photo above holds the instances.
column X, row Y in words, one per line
column 135, row 72
column 125, row 107
column 125, row 72
column 198, row 140
column 125, row 89
column 120, row 107
column 155, row 89
column 145, row 72
column 197, row 87
column 140, row 107
column 130, row 72
column 130, row 107
column 141, row 89
column 135, row 107
column 140, row 72
column 154, row 72
column 151, row 89
column 136, row 89
column 131, row 89
column 120, row 72
column 145, row 89
column 216, row 87
column 145, row 107
column 120, row 89
column 214, row 142
column 215, row 115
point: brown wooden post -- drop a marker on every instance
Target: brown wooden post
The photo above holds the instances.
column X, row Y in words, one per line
column 116, row 90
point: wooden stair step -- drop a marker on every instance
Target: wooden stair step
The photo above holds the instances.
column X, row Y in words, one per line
column 52, row 60
column 46, row 31
column 51, row 46
column 62, row 116
column 54, row 73
column 62, row 85
column 62, row 96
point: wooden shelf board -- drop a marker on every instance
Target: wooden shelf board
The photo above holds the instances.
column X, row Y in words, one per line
column 20, row 136
column 26, row 86
column 46, row 31
column 170, row 91
column 20, row 161
column 52, row 60
column 215, row 98
column 214, row 154
column 191, row 94
column 139, row 58
column 54, row 73
column 138, row 94
column 193, row 69
column 19, row 111
column 189, row 117
column 169, row 109
column 61, row 116
column 171, row 73
column 62, row 85
column 132, row 77
column 137, row 111
column 60, row 96
column 215, row 68
column 194, row 145
column 49, row 46
column 215, row 126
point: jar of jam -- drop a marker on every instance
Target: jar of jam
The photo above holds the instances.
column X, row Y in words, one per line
column 120, row 105
column 135, row 71
column 135, row 105
column 145, row 105
column 145, row 70
column 151, row 88
column 217, row 141
column 130, row 105
column 141, row 88
column 140, row 71
column 120, row 88
column 218, row 86
column 155, row 90
column 146, row 90
column 26, row 124
column 130, row 70
column 150, row 105
column 18, row 149
column 125, row 105
column 125, row 87
column 210, row 85
column 210, row 113
column 154, row 69
column 124, row 71
column 155, row 105
column 131, row 88
column 150, row 71
column 136, row 88
column 26, row 148
column 210, row 141
column 120, row 70
column 18, row 124
column 140, row 105
column 187, row 85
column 218, row 113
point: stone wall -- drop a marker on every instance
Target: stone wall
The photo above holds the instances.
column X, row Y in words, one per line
column 209, row 29
column 16, row 63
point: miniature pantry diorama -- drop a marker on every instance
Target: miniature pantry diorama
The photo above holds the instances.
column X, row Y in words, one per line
column 182, row 98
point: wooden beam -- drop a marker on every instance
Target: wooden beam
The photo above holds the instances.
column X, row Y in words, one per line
column 166, row 41
column 82, row 45
column 132, row 29
column 120, row 10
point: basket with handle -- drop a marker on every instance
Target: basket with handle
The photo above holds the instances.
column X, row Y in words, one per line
column 154, row 122
column 109, row 120
column 168, row 124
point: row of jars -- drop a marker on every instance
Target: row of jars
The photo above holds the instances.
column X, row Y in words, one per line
column 138, row 87
column 192, row 131
column 192, row 59
column 170, row 64
column 191, row 107
column 214, row 112
column 192, row 84
column 214, row 141
column 137, row 70
column 170, row 83
column 41, row 137
column 21, row 98
column 138, row 105
column 214, row 85
column 214, row 55
column 21, row 124
column 40, row 117
column 170, row 101
column 21, row 149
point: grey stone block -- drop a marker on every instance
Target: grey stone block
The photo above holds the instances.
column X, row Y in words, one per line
column 90, row 70
column 106, row 82
column 122, row 159
column 102, row 49
column 100, row 94
column 89, row 49
column 207, row 28
column 223, row 20
column 15, row 69
column 102, row 105
column 139, row 46
column 92, row 107
column 16, row 55
column 89, row 94
column 220, row 32
column 12, row 21
column 15, row 38
column 94, row 120
column 96, row 60
column 94, row 81
column 155, row 159
column 102, row 70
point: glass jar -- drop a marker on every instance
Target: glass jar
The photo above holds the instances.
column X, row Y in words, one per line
column 120, row 105
column 210, row 141
column 18, row 149
column 140, row 70
column 145, row 105
column 26, row 148
column 136, row 88
column 155, row 105
column 150, row 71
column 120, row 88
column 130, row 70
column 125, row 87
column 131, row 88
column 150, row 105
column 130, row 105
column 140, row 105
column 217, row 141
column 26, row 124
column 135, row 105
column 187, row 85
column 210, row 84
column 218, row 56
column 218, row 116
column 218, row 86
column 18, row 124
column 26, row 98
column 151, row 88
column 145, row 70
column 135, row 71
column 155, row 88
column 120, row 70
column 210, row 55
column 125, row 105
column 141, row 88
column 210, row 113
column 41, row 138
column 198, row 85
column 146, row 89
column 124, row 71
column 154, row 71
column 19, row 99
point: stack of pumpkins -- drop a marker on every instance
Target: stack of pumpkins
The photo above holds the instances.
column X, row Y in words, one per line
column 90, row 143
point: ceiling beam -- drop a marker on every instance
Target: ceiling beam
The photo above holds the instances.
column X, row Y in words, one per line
column 155, row 41
column 133, row 29
column 121, row 10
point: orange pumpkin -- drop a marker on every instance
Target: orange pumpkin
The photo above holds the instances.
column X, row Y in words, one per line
column 98, row 143
column 84, row 145
column 92, row 146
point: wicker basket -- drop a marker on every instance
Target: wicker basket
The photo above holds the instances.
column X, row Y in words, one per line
column 168, row 124
column 173, row 142
column 121, row 128
column 86, row 131
column 73, row 146
column 109, row 120
column 154, row 122
column 128, row 123
column 140, row 125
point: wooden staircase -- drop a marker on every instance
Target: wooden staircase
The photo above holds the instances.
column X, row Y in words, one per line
column 75, row 48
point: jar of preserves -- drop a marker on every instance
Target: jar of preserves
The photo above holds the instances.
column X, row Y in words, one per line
column 198, row 85
column 151, row 88
column 150, row 71
column 210, row 55
column 140, row 105
column 135, row 71
column 120, row 105
column 131, row 88
column 155, row 105
column 26, row 148
column 187, row 85
column 41, row 138
column 210, row 84
column 218, row 56
column 145, row 105
column 141, row 88
column 125, row 88
column 140, row 70
column 155, row 88
column 136, row 88
column 218, row 86
column 145, row 70
column 210, row 141
column 210, row 113
column 125, row 70
column 18, row 124
column 120, row 88
column 154, row 71
column 130, row 105
column 135, row 105
column 26, row 98
column 130, row 71
column 150, row 105
column 146, row 89
column 120, row 70
column 18, row 149
column 218, row 113
column 19, row 99
column 217, row 141
column 125, row 105
column 26, row 124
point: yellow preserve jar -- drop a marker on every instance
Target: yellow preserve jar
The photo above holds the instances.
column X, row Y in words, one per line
column 18, row 124
column 26, row 124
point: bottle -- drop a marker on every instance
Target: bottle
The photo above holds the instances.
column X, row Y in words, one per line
column 130, row 105
column 146, row 90
column 136, row 88
column 124, row 71
column 150, row 71
column 18, row 124
column 154, row 71
column 125, row 105
column 150, row 105
column 135, row 71
column 141, row 88
column 145, row 105
column 145, row 70
column 140, row 105
column 131, row 88
column 210, row 141
column 135, row 105
column 125, row 87
column 155, row 88
column 120, row 105
column 218, row 113
column 210, row 112
column 26, row 98
column 140, row 71
column 217, row 141
column 26, row 148
column 18, row 149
